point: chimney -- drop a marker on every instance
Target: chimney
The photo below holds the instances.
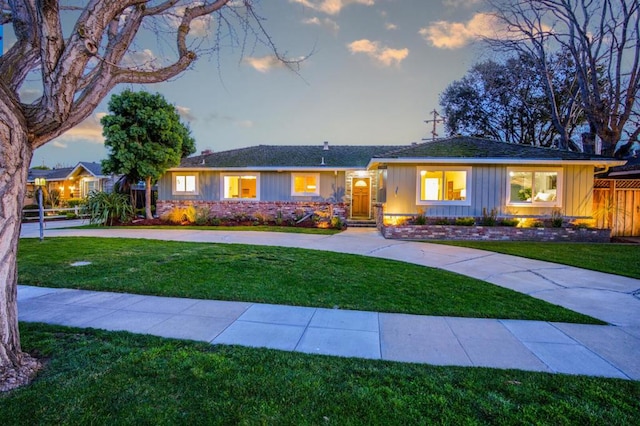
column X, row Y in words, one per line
column 326, row 146
column 206, row 152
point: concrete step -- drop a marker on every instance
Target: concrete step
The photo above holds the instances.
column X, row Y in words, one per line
column 360, row 223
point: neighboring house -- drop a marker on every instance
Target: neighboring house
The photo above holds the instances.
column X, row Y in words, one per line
column 462, row 176
column 455, row 177
column 617, row 198
column 71, row 182
column 285, row 181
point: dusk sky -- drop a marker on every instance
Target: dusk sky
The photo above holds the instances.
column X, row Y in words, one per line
column 376, row 71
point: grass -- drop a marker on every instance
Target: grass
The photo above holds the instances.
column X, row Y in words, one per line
column 273, row 275
column 619, row 259
column 104, row 378
column 260, row 228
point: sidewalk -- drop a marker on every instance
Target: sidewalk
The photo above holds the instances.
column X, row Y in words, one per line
column 609, row 351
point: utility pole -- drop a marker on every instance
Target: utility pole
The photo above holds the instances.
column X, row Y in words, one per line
column 437, row 118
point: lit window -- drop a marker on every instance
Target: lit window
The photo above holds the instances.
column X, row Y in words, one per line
column 534, row 187
column 240, row 187
column 305, row 184
column 185, row 184
column 444, row 185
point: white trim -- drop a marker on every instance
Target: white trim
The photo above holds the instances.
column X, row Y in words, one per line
column 557, row 202
column 222, row 188
column 267, row 169
column 174, row 177
column 315, row 193
column 466, row 202
column 555, row 162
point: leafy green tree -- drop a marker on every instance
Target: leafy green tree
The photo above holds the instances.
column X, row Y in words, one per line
column 507, row 101
column 145, row 136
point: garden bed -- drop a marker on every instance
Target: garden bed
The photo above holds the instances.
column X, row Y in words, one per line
column 495, row 233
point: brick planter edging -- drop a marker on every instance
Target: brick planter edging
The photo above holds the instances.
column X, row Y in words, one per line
column 495, row 233
column 287, row 210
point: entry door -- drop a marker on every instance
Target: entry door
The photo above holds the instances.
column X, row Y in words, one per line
column 360, row 205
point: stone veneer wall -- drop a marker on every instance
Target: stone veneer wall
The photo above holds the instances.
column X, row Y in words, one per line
column 495, row 233
column 286, row 209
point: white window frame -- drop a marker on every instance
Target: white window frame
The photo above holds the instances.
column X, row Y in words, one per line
column 305, row 193
column 257, row 176
column 533, row 203
column 465, row 202
column 174, row 183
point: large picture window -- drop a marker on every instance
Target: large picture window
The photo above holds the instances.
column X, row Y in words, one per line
column 444, row 185
column 243, row 187
column 305, row 184
column 535, row 187
column 185, row 184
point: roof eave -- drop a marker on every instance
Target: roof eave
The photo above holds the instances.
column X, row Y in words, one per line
column 265, row 169
column 461, row 160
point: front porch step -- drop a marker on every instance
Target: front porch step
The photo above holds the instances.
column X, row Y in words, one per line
column 361, row 223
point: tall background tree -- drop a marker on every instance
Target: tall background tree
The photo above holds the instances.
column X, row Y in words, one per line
column 602, row 38
column 145, row 137
column 507, row 101
column 77, row 66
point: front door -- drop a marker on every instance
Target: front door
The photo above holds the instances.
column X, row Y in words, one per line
column 360, row 203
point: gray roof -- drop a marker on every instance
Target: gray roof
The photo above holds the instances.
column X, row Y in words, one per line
column 64, row 173
column 290, row 156
column 464, row 147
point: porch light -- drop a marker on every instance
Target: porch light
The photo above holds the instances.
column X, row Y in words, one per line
column 40, row 181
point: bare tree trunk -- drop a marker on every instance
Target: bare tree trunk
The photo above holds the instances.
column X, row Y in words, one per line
column 147, row 197
column 16, row 367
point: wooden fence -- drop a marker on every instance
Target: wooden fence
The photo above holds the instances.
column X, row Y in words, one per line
column 616, row 205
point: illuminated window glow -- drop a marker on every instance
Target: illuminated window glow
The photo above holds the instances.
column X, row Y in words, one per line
column 443, row 186
column 305, row 184
column 240, row 187
column 185, row 184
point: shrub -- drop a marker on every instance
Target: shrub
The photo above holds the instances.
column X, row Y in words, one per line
column 70, row 216
column 73, row 202
column 337, row 223
column 509, row 222
column 489, row 218
column 465, row 221
column 202, row 216
column 442, row 221
column 180, row 215
column 556, row 219
column 421, row 219
column 103, row 208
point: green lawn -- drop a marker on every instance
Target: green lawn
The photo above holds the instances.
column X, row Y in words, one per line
column 103, row 378
column 620, row 259
column 272, row 275
column 260, row 228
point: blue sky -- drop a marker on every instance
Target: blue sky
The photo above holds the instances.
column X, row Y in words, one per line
column 376, row 71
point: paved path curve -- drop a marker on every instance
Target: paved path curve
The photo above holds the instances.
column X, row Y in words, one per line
column 610, row 351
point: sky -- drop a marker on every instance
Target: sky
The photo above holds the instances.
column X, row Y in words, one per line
column 375, row 72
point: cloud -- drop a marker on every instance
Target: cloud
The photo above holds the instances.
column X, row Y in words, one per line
column 458, row 3
column 29, row 95
column 454, row 35
column 263, row 64
column 246, row 124
column 385, row 55
column 389, row 26
column 200, row 27
column 185, row 113
column 327, row 23
column 88, row 130
column 144, row 60
column 331, row 7
column 56, row 143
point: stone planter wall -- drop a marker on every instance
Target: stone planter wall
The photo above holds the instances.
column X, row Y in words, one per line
column 287, row 210
column 495, row 233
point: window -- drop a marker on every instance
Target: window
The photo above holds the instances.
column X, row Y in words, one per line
column 243, row 187
column 304, row 184
column 185, row 184
column 534, row 187
column 444, row 185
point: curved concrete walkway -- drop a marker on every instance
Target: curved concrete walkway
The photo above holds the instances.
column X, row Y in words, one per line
column 609, row 351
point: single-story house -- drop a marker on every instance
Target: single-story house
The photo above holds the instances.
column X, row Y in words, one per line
column 70, row 182
column 454, row 177
column 272, row 180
